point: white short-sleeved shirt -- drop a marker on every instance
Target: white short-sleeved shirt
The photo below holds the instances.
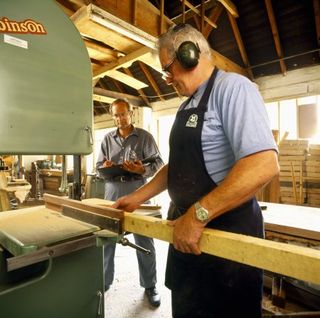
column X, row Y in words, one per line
column 236, row 123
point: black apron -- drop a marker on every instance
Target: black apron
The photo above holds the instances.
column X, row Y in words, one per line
column 206, row 285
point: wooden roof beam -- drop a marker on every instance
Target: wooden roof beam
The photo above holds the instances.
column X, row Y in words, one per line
column 94, row 46
column 190, row 13
column 140, row 91
column 198, row 12
column 140, row 13
column 141, row 53
column 162, row 17
column 240, row 44
column 126, row 79
column 151, row 80
column 134, row 100
column 214, row 16
column 117, row 84
column 124, row 61
column 230, row 7
column 275, row 34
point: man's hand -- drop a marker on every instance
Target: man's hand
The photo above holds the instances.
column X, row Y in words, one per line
column 107, row 163
column 187, row 232
column 127, row 203
column 134, row 166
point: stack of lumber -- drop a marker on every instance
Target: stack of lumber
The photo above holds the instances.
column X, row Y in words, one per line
column 299, row 172
column 292, row 160
column 312, row 178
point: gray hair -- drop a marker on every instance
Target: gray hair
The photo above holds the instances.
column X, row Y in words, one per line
column 179, row 33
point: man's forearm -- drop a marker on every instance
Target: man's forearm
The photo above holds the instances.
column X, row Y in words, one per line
column 247, row 176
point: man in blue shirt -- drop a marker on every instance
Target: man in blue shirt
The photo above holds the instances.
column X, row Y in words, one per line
column 221, row 153
column 128, row 145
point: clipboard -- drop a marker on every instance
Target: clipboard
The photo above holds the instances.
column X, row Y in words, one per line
column 116, row 170
column 110, row 172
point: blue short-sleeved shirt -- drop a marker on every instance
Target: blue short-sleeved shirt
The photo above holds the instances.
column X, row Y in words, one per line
column 236, row 123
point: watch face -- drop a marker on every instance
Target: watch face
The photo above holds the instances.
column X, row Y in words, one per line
column 202, row 214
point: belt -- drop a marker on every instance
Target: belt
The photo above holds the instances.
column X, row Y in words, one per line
column 125, row 178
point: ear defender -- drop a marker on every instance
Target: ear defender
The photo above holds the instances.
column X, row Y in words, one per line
column 188, row 54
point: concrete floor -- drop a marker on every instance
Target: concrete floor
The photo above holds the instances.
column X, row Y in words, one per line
column 125, row 298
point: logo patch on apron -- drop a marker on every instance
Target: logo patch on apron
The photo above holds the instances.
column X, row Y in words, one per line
column 192, row 121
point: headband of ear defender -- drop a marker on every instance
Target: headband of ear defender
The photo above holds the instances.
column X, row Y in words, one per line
column 188, row 52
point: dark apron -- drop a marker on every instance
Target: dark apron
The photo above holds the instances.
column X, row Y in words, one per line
column 206, row 285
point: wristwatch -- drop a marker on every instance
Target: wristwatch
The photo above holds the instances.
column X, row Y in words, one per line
column 202, row 214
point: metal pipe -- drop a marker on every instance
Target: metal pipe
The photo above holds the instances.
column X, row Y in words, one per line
column 283, row 58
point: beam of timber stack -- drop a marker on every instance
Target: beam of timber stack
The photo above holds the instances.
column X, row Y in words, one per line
column 313, row 176
column 292, row 160
column 299, row 172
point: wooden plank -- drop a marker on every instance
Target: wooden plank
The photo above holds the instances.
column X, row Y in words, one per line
column 240, row 44
column 146, row 16
column 56, row 203
column 113, row 22
column 198, row 12
column 275, row 35
column 314, row 174
column 293, row 142
column 214, row 15
column 127, row 60
column 292, row 158
column 294, row 261
column 294, row 152
column 140, row 91
column 103, row 99
column 229, row 5
column 294, row 220
column 94, row 30
column 126, row 79
column 4, row 200
column 127, row 45
column 133, row 100
column 315, row 152
column 313, row 169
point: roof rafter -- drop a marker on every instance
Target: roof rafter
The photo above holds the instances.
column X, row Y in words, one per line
column 198, row 12
column 190, row 13
column 240, row 44
column 214, row 16
column 150, row 79
column 231, row 8
column 275, row 34
column 140, row 91
column 134, row 100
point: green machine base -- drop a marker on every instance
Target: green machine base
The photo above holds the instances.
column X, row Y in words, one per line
column 69, row 286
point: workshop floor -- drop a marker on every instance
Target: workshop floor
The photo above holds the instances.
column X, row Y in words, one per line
column 125, row 298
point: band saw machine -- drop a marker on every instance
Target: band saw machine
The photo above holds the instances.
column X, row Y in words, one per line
column 51, row 258
column 50, row 265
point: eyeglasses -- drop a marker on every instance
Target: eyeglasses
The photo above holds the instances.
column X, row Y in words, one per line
column 166, row 69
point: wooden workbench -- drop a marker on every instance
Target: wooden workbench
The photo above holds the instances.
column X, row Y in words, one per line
column 292, row 223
